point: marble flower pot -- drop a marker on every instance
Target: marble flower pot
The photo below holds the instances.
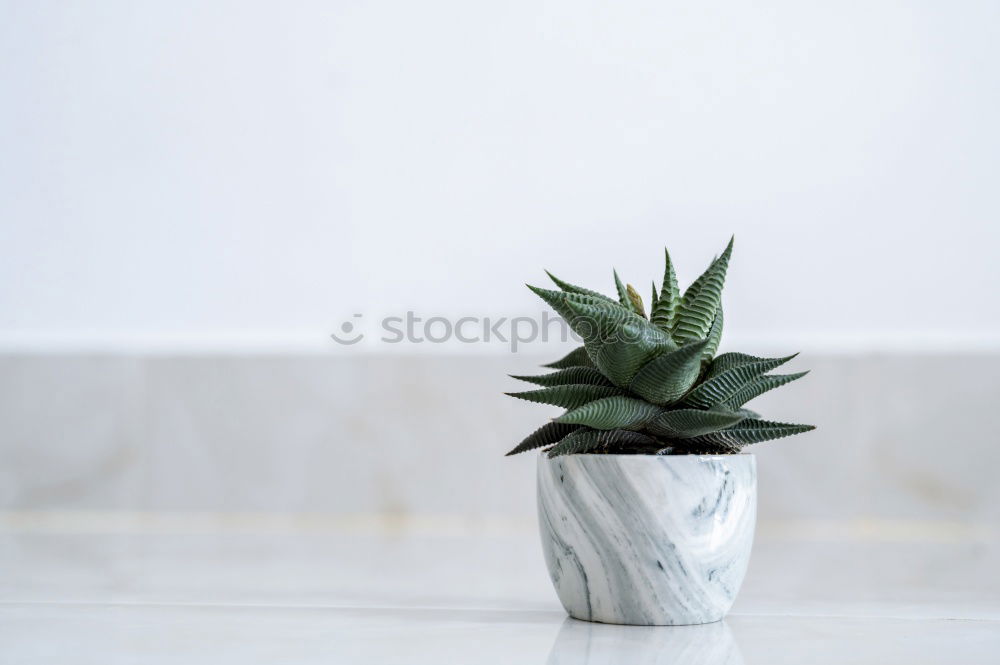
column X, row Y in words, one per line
column 644, row 539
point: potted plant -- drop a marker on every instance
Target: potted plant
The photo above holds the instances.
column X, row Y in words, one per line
column 646, row 504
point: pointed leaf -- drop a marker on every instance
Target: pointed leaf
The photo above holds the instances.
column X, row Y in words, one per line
column 579, row 375
column 754, row 431
column 616, row 441
column 701, row 300
column 576, row 358
column 626, row 441
column 573, row 288
column 580, row 441
column 617, row 412
column 568, row 397
column 559, row 301
column 653, row 299
column 729, row 361
column 545, row 435
column 622, row 291
column 664, row 313
column 666, row 378
column 760, row 386
column 687, row 423
column 622, row 357
column 596, row 320
column 618, row 341
column 725, row 385
column 696, row 284
column 714, row 337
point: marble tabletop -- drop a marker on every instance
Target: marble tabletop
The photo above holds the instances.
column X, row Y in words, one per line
column 94, row 588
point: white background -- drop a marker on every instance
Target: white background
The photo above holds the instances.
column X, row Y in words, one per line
column 210, row 173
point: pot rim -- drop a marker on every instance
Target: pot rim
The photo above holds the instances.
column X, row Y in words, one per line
column 542, row 453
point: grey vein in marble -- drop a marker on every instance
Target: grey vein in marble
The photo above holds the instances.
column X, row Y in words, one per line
column 637, row 539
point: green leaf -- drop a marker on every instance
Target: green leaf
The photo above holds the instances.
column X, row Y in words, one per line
column 666, row 378
column 728, row 361
column 635, row 300
column 753, row 431
column 618, row 412
column 696, row 284
column 714, row 337
column 653, row 299
column 622, row 291
column 618, row 341
column 606, row 442
column 568, row 397
column 559, row 301
column 622, row 357
column 579, row 375
column 759, row 386
column 545, row 435
column 579, row 441
column 573, row 288
column 562, row 302
column 687, row 423
column 664, row 311
column 722, row 387
column 576, row 358
column 627, row 441
column 701, row 300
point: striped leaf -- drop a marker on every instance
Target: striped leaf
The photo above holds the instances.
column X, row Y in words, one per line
column 753, row 431
column 568, row 397
column 728, row 361
column 616, row 441
column 714, row 337
column 559, row 301
column 576, row 358
column 653, row 299
column 696, row 284
column 664, row 311
column 622, row 291
column 724, row 386
column 622, row 358
column 759, row 386
column 618, row 341
column 618, row 412
column 688, row 423
column 606, row 314
column 579, row 375
column 627, row 441
column 594, row 319
column 573, row 288
column 665, row 378
column 546, row 435
column 580, row 441
column 701, row 300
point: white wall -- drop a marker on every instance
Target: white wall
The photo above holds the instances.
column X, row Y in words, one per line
column 213, row 170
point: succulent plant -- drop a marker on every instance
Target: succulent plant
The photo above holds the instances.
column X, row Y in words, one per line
column 652, row 385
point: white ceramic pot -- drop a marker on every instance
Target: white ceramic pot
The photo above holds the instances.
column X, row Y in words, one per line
column 645, row 539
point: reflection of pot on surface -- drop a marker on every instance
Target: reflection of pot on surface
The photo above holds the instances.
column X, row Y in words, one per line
column 585, row 643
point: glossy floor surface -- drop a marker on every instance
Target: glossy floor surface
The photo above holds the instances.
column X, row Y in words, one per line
column 256, row 589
